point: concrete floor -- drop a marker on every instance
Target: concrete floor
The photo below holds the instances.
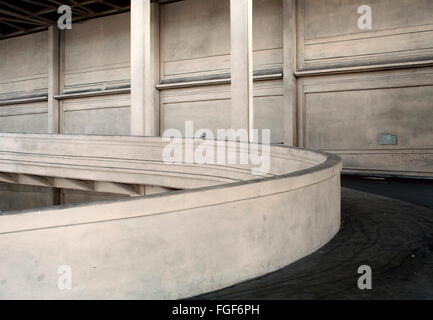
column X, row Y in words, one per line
column 393, row 237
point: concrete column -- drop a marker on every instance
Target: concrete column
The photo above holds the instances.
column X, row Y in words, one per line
column 53, row 78
column 142, row 108
column 289, row 69
column 241, row 16
column 155, row 65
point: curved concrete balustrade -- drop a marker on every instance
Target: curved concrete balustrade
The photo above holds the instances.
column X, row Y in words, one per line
column 132, row 160
column 228, row 227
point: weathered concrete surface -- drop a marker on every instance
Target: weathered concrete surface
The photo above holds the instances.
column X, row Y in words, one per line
column 395, row 238
column 95, row 161
column 340, row 107
column 172, row 245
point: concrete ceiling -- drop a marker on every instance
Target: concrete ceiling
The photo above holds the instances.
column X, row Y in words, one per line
column 18, row 17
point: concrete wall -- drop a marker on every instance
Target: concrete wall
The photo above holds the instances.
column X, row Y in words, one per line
column 352, row 85
column 195, row 37
column 329, row 37
column 346, row 112
column 198, row 103
column 107, row 115
column 195, row 45
column 96, row 57
column 24, row 74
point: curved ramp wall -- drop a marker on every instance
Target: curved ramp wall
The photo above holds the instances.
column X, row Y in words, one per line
column 173, row 245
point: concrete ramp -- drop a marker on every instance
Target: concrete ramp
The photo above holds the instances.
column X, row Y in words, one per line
column 225, row 226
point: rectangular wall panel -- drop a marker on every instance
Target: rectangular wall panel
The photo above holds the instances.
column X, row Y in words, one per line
column 97, row 58
column 195, row 38
column 97, row 54
column 347, row 114
column 329, row 37
column 24, row 118
column 104, row 115
column 23, row 66
column 209, row 107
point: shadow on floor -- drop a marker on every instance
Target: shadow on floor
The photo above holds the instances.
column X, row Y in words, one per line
column 394, row 238
column 416, row 191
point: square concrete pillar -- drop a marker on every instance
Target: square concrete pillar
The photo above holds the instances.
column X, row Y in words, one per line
column 289, row 65
column 53, row 78
column 142, row 106
column 242, row 112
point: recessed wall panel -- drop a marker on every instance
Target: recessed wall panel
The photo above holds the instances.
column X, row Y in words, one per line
column 329, row 36
column 209, row 107
column 195, row 37
column 98, row 52
column 348, row 114
column 24, row 66
column 105, row 115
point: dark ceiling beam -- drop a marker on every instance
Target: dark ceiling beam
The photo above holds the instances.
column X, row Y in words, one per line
column 51, row 8
column 27, row 16
column 19, row 20
column 57, row 3
column 112, row 5
column 20, row 16
column 74, row 5
column 38, row 3
column 26, row 12
column 12, row 25
column 165, row 1
column 21, row 32
column 98, row 14
column 84, row 8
